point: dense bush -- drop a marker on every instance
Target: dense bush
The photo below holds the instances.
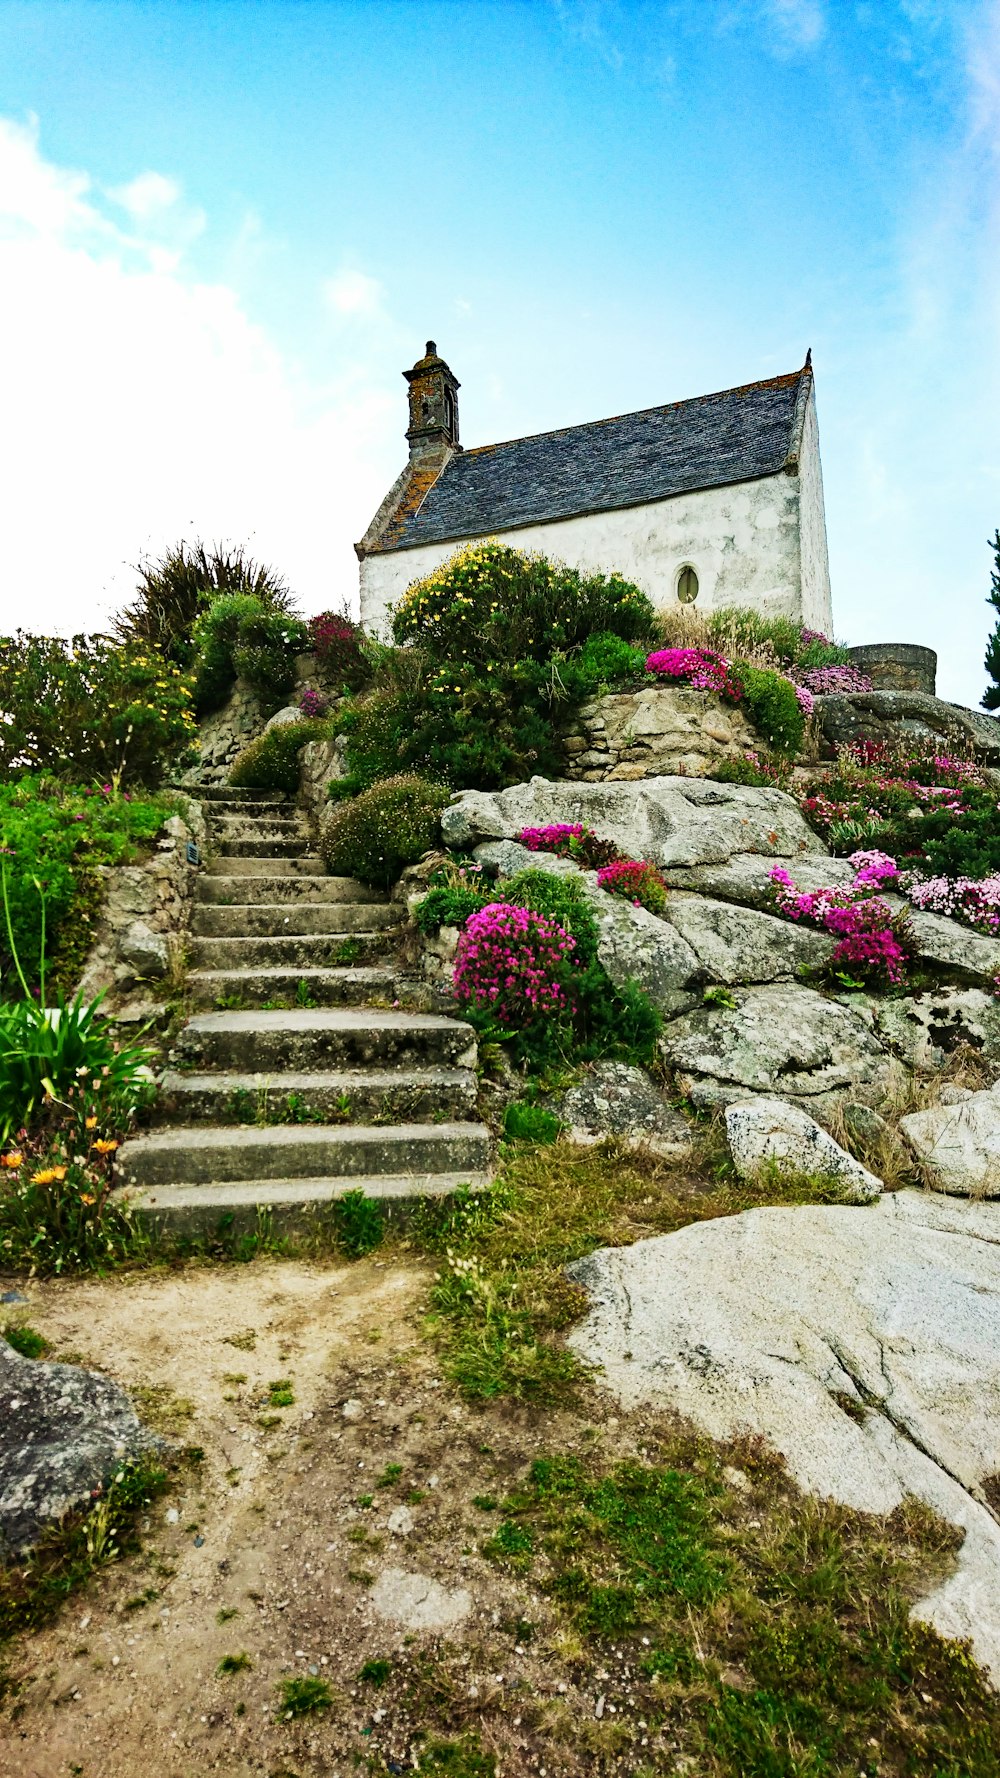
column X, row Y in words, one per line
column 239, row 636
column 490, row 603
column 271, row 760
column 773, row 707
column 91, row 708
column 340, row 646
column 377, row 834
column 53, row 839
column 513, row 969
column 175, row 589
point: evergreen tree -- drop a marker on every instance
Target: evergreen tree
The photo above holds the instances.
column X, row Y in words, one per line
column 991, row 696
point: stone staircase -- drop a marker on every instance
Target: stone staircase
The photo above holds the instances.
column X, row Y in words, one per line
column 307, row 1079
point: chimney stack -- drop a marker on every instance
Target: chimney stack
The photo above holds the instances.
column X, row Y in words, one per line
column 433, row 429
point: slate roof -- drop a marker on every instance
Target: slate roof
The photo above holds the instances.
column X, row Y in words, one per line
column 734, row 436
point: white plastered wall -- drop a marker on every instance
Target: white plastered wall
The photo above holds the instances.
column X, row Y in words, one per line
column 817, row 604
column 743, row 542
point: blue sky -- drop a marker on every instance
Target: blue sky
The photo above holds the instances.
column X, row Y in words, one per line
column 226, row 228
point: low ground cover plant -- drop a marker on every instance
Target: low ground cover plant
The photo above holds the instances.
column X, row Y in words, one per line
column 54, row 837
column 873, row 942
column 570, row 840
column 930, row 808
column 271, row 760
column 776, row 705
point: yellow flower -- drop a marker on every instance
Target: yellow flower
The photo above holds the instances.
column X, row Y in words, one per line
column 48, row 1175
column 88, row 1198
column 91, row 1123
column 104, row 1147
column 13, row 1159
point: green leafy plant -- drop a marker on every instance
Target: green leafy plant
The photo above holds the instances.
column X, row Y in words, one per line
column 451, row 905
column 773, row 707
column 525, row 1122
column 375, row 836
column 303, row 1696
column 24, row 1339
column 359, row 1224
column 240, row 635
column 271, row 760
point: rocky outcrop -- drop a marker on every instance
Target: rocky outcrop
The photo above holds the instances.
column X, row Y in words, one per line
column 959, row 1144
column 925, row 1029
column 784, row 1041
column 738, row 944
column 658, row 729
column 614, row 1099
column 912, row 715
column 146, row 910
column 746, row 877
column 764, row 1131
column 951, row 948
column 671, row 821
column 863, row 1344
column 64, row 1433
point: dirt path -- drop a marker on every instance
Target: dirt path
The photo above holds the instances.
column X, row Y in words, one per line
column 272, row 1528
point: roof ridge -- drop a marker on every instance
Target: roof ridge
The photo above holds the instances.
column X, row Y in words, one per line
column 784, row 380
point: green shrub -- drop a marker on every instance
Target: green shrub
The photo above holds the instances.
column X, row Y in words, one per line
column 380, row 832
column 240, row 635
column 51, row 1054
column 449, row 905
column 91, row 708
column 271, row 760
column 772, row 706
column 175, row 589
column 56, row 836
column 525, row 1122
column 489, row 603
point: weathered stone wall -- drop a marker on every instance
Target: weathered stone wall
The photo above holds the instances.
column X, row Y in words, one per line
column 897, row 666
column 226, row 732
column 146, row 913
column 655, row 732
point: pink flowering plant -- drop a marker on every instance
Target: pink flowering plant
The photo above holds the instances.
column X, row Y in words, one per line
column 976, row 904
column 570, row 840
column 513, row 970
column 637, row 882
column 825, row 682
column 704, row 669
column 873, row 942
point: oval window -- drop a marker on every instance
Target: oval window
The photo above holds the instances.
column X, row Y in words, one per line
column 687, row 586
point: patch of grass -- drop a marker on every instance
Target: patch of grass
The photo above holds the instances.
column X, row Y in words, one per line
column 234, row 1663
column 281, row 1393
column 25, row 1339
column 303, row 1696
column 485, row 1502
column 161, row 1409
column 511, row 1546
column 458, row 1759
column 225, row 1613
column 68, row 1555
column 523, row 1122
column 376, row 1673
column 139, row 1601
column 390, row 1474
column 359, row 1224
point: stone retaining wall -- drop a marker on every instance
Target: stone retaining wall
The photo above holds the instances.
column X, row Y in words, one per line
column 146, row 912
column 655, row 732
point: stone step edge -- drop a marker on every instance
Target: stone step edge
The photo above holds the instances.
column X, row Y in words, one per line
column 274, row 973
column 331, row 1080
column 239, row 1202
column 180, row 1137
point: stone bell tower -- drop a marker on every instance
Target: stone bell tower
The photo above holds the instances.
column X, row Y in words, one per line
column 433, row 429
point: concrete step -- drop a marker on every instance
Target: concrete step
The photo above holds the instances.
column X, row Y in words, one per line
column 212, row 1155
column 228, row 793
column 325, row 987
column 245, row 827
column 397, row 1095
column 259, row 846
column 244, row 890
column 268, row 866
column 310, row 1040
column 282, row 950
column 292, row 918
column 234, row 1206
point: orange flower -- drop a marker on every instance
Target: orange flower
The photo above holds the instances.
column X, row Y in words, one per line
column 87, row 1198
column 91, row 1123
column 103, row 1147
column 13, row 1159
column 48, row 1175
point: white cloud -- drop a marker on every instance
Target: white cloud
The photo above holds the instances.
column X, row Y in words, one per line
column 352, row 292
column 146, row 196
column 143, row 405
column 799, row 24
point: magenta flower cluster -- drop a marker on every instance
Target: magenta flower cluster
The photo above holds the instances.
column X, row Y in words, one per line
column 638, row 882
column 554, row 838
column 804, row 698
column 513, row 963
column 975, row 903
column 868, row 934
column 826, row 682
column 703, row 668
column 313, row 703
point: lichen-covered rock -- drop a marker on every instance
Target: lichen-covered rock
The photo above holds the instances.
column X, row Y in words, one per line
column 739, row 944
column 670, row 821
column 63, row 1434
column 615, row 1099
column 863, row 1344
column 146, row 952
column 953, row 948
column 787, row 1041
column 746, row 878
column 895, row 715
column 924, row 1029
column 959, row 1144
column 764, row 1130
column 284, row 718
column 656, row 730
